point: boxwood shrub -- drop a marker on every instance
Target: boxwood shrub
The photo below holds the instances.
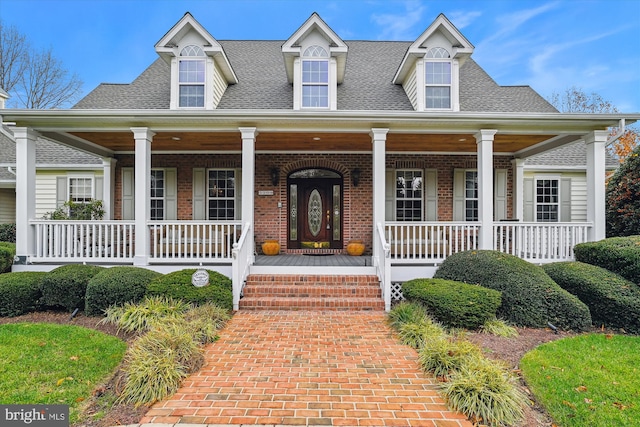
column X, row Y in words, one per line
column 65, row 287
column 117, row 285
column 618, row 254
column 178, row 285
column 8, row 233
column 613, row 300
column 529, row 296
column 20, row 292
column 7, row 252
column 455, row 304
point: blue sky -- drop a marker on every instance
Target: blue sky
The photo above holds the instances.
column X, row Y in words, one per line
column 549, row 45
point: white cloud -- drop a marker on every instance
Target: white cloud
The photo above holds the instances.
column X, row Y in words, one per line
column 400, row 26
column 462, row 19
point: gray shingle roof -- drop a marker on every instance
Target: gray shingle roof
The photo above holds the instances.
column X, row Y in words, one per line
column 574, row 154
column 367, row 84
column 47, row 153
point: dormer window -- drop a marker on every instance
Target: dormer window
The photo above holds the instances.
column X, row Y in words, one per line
column 191, row 78
column 315, row 78
column 437, row 79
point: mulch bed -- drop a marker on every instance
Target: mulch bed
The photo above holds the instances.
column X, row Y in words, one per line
column 509, row 350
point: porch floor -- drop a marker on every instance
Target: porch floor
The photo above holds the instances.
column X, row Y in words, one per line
column 299, row 260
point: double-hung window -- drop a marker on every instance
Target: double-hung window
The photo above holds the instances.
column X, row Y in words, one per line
column 437, row 79
column 547, row 200
column 471, row 196
column 315, row 78
column 409, row 195
column 157, row 194
column 191, row 77
column 221, row 189
column 81, row 190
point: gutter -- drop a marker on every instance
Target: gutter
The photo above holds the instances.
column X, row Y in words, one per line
column 621, row 131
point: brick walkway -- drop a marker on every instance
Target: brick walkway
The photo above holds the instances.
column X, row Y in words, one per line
column 308, row 368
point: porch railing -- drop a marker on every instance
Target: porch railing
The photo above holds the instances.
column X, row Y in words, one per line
column 83, row 241
column 539, row 242
column 242, row 260
column 181, row 241
column 382, row 263
column 432, row 242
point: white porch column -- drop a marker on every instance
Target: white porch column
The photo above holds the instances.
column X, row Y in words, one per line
column 249, row 135
column 108, row 184
column 596, row 203
column 142, row 176
column 25, row 191
column 379, row 140
column 484, row 139
column 518, row 189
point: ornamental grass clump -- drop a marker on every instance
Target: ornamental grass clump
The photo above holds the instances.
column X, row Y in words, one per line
column 417, row 335
column 406, row 312
column 498, row 327
column 486, row 392
column 145, row 315
column 446, row 354
column 205, row 320
column 157, row 363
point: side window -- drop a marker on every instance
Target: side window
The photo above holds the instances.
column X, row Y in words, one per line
column 157, row 194
column 221, row 194
column 471, row 196
column 409, row 195
column 547, row 200
column 81, row 190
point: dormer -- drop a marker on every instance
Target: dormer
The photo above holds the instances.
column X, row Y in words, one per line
column 315, row 59
column 430, row 70
column 200, row 70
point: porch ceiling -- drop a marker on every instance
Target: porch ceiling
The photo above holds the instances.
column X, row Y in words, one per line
column 310, row 141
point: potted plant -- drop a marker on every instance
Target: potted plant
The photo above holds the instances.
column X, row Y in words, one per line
column 355, row 247
column 271, row 247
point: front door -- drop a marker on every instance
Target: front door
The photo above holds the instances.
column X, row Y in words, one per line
column 315, row 209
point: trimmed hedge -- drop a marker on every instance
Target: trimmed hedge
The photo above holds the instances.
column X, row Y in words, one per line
column 117, row 285
column 8, row 233
column 178, row 285
column 456, row 304
column 529, row 296
column 20, row 292
column 613, row 300
column 66, row 286
column 7, row 252
column 618, row 254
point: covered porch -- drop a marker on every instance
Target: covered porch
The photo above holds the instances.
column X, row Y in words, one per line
column 396, row 249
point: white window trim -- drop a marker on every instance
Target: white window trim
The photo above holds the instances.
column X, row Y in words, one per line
column 395, row 193
column 421, row 85
column 332, row 85
column 90, row 177
column 175, row 83
column 327, row 84
column 537, row 178
column 209, row 198
column 203, row 83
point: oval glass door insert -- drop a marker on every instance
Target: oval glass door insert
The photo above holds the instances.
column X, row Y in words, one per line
column 314, row 213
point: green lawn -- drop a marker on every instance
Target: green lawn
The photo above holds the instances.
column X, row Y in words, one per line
column 588, row 380
column 54, row 364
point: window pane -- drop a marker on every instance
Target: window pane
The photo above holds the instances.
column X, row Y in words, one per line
column 438, row 97
column 192, row 71
column 409, row 190
column 315, row 96
column 157, row 183
column 547, row 200
column 221, row 191
column 471, row 195
column 192, row 96
column 315, row 71
column 293, row 212
column 438, row 73
column 80, row 190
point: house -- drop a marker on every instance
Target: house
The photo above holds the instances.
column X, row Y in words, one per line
column 62, row 174
column 409, row 147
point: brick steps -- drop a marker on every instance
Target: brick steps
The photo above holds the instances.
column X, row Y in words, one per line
column 311, row 292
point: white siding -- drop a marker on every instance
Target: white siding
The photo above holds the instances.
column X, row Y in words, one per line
column 410, row 87
column 45, row 192
column 7, row 205
column 578, row 197
column 219, row 86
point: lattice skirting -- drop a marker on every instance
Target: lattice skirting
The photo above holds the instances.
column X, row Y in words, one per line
column 396, row 292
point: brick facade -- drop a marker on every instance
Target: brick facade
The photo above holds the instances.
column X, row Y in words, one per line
column 271, row 210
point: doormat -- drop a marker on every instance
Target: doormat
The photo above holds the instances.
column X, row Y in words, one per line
column 315, row 245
